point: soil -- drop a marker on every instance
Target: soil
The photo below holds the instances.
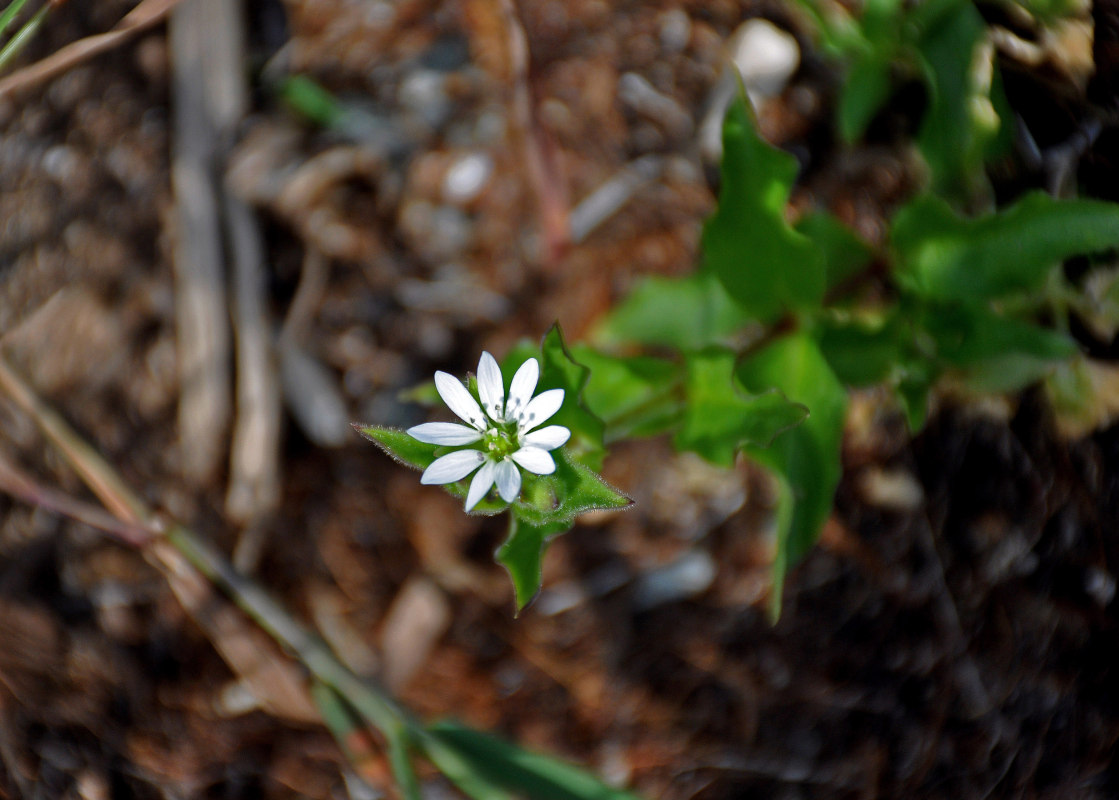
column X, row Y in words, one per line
column 952, row 635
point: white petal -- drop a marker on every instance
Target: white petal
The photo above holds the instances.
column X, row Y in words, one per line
column 452, row 467
column 547, row 438
column 522, row 387
column 542, row 407
column 481, row 484
column 535, row 460
column 491, row 389
column 508, row 481
column 459, row 400
column 446, row 433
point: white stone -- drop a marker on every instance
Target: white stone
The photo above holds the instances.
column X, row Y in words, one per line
column 765, row 56
column 467, row 177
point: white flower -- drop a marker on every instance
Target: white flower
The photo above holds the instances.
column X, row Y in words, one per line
column 505, row 430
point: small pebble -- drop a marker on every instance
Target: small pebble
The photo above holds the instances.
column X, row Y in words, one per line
column 1100, row 586
column 466, row 178
column 425, row 92
column 685, row 577
column 675, row 30
column 892, row 489
column 765, row 56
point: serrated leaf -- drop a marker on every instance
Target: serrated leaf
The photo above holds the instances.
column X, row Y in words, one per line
column 806, row 458
column 398, row 444
column 633, row 395
column 944, row 257
column 684, row 313
column 763, row 263
column 720, row 417
column 492, row 764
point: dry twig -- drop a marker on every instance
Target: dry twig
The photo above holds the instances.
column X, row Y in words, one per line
column 142, row 17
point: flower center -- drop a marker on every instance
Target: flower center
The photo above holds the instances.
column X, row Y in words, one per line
column 500, row 442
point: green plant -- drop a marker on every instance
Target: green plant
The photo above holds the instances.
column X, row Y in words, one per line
column 755, row 351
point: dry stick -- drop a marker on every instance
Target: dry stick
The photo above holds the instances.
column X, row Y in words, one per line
column 201, row 312
column 254, row 483
column 373, row 704
column 19, row 484
column 310, row 389
column 96, row 473
column 143, row 16
column 539, row 153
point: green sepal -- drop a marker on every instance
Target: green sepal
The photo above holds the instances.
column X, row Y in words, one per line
column 400, row 446
column 419, row 455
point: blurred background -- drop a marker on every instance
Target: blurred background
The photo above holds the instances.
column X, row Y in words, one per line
column 230, row 229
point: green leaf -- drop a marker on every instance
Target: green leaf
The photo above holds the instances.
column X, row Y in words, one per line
column 839, row 33
column 864, row 350
column 522, row 553
column 960, row 120
column 845, row 254
column 994, row 353
column 548, row 507
column 347, row 727
column 865, row 91
column 479, row 764
column 400, row 445
column 912, row 391
column 309, row 99
column 720, row 417
column 942, row 256
column 764, row 264
column 634, row 396
column 685, row 313
column 806, row 459
column 569, row 491
column 475, row 780
column 560, row 371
